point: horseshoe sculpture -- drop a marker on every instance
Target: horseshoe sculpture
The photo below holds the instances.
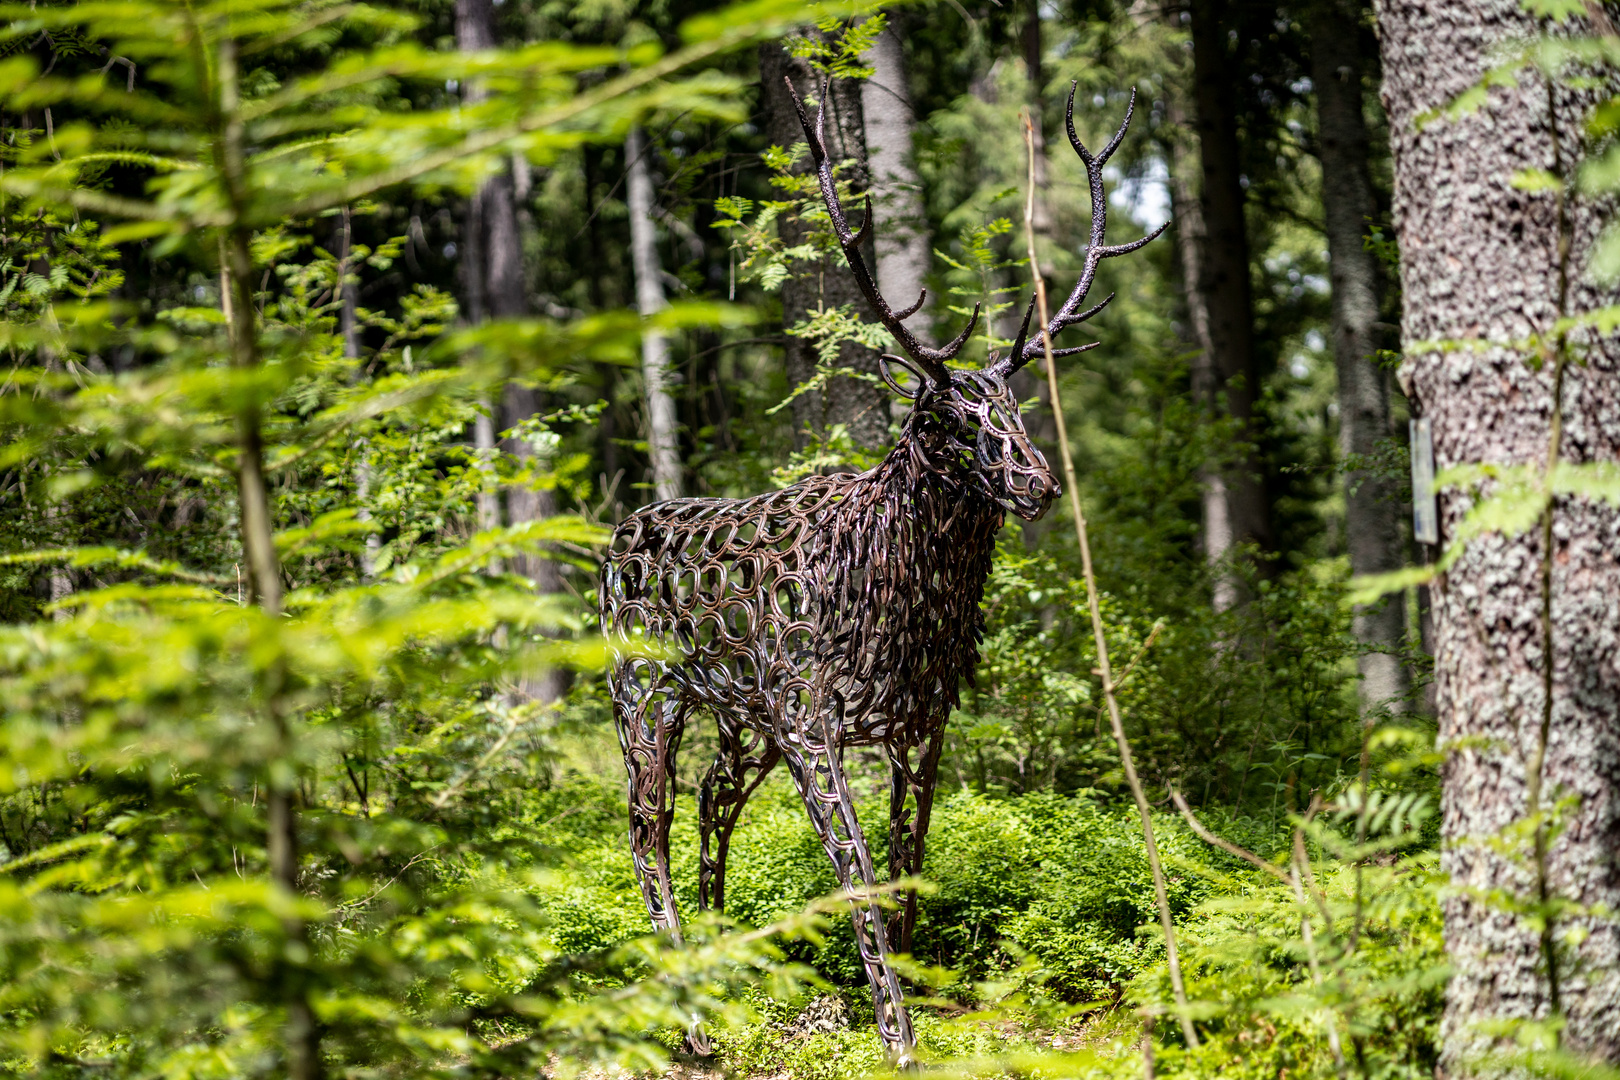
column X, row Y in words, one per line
column 841, row 611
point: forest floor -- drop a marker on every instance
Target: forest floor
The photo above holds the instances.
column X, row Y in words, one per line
column 819, row 1043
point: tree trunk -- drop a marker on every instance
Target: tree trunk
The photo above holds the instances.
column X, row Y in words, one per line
column 1481, row 261
column 1190, row 242
column 1372, row 532
column 349, row 328
column 1223, row 273
column 608, row 426
column 475, row 30
column 496, row 282
column 59, row 579
column 504, row 288
column 1034, row 48
column 662, row 436
column 900, row 235
column 863, row 407
column 1029, row 382
column 524, row 501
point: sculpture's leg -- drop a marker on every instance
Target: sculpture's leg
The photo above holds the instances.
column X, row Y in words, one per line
column 651, row 717
column 815, row 760
column 744, row 759
column 911, row 804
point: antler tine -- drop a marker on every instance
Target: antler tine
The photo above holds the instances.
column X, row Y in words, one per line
column 914, row 308
column 1068, row 125
column 1090, row 311
column 1113, row 144
column 1096, row 251
column 864, row 233
column 1072, row 350
column 954, row 346
column 932, row 360
column 1010, row 362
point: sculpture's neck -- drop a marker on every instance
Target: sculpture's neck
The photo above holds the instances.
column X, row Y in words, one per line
column 923, row 458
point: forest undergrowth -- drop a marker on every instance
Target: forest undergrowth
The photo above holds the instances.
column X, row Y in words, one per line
column 1038, row 938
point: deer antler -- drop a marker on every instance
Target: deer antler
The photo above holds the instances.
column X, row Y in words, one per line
column 1024, row 349
column 931, row 360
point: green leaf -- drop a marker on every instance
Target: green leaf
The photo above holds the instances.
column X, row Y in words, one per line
column 1370, row 588
column 1594, row 480
column 1469, row 101
column 1556, row 10
column 1536, row 180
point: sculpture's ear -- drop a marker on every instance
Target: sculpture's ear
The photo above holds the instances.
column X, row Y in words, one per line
column 888, row 376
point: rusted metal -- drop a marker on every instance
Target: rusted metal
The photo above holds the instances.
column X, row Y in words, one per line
column 842, row 611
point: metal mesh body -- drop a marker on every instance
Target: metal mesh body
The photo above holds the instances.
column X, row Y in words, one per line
column 842, row 611
column 851, row 597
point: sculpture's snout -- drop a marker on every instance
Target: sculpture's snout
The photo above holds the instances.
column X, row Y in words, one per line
column 1035, row 495
column 1043, row 488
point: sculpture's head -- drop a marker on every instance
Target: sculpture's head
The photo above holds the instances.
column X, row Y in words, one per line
column 979, row 413
column 977, row 409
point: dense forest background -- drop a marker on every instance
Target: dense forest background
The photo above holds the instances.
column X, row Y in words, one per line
column 338, row 336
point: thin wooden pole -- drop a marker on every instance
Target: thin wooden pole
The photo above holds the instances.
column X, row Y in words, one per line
column 1171, row 955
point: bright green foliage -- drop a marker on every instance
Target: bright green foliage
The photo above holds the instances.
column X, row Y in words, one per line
column 43, row 257
column 1035, row 718
column 1369, row 976
column 253, row 808
column 1049, row 892
column 1044, row 903
column 836, row 49
column 977, row 273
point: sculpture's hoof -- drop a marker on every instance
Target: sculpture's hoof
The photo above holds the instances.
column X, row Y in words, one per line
column 905, row 1060
column 697, row 1043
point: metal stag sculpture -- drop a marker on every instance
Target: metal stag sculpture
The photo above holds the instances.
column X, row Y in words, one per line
column 841, row 611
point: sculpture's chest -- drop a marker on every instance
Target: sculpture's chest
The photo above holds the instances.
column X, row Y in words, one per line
column 897, row 620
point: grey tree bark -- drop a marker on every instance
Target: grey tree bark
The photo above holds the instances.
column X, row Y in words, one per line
column 862, row 406
column 59, row 579
column 1223, row 274
column 1185, row 171
column 1372, row 531
column 900, row 237
column 496, row 289
column 475, row 29
column 662, row 436
column 349, row 328
column 1034, row 46
column 1480, row 262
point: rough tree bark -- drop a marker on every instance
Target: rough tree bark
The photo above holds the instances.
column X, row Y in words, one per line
column 862, row 406
column 901, row 236
column 1480, row 262
column 1372, row 532
column 496, row 289
column 349, row 328
column 1034, row 47
column 1190, row 240
column 59, row 579
column 1223, row 273
column 475, row 29
column 662, row 437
